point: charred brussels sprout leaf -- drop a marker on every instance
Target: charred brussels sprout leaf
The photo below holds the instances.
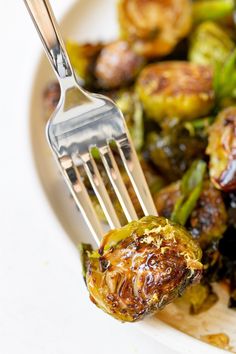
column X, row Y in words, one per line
column 191, row 187
column 117, row 65
column 175, row 89
column 154, row 27
column 222, row 150
column 210, row 45
column 142, row 267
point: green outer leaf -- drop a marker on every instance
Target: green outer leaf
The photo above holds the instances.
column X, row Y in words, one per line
column 191, row 187
column 204, row 10
column 224, row 82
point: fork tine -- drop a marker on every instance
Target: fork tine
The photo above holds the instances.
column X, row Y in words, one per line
column 135, row 173
column 81, row 197
column 100, row 191
column 117, row 183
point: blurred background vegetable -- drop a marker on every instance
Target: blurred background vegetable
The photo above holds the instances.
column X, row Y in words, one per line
column 214, row 10
column 210, row 45
column 176, row 89
column 117, row 65
column 154, row 27
column 83, row 58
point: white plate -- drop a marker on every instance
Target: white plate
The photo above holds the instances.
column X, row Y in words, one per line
column 92, row 20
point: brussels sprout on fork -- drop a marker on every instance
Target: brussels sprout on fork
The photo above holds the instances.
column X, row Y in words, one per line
column 141, row 267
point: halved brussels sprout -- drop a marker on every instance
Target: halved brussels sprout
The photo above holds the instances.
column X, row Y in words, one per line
column 83, row 58
column 222, row 150
column 210, row 45
column 117, row 65
column 153, row 26
column 142, row 267
column 176, row 89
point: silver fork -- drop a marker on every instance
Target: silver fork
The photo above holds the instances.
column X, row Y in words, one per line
column 81, row 122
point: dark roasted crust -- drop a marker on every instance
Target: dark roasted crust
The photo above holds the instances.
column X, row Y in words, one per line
column 178, row 78
column 209, row 218
column 222, row 150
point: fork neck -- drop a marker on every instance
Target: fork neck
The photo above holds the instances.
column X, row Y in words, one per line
column 46, row 25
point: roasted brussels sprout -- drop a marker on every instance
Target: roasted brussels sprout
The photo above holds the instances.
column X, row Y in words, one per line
column 83, row 58
column 172, row 152
column 142, row 267
column 117, row 65
column 222, row 150
column 176, row 89
column 154, row 27
column 51, row 96
column 210, row 45
column 209, row 218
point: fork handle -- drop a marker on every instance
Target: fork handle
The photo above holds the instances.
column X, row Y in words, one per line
column 46, row 25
